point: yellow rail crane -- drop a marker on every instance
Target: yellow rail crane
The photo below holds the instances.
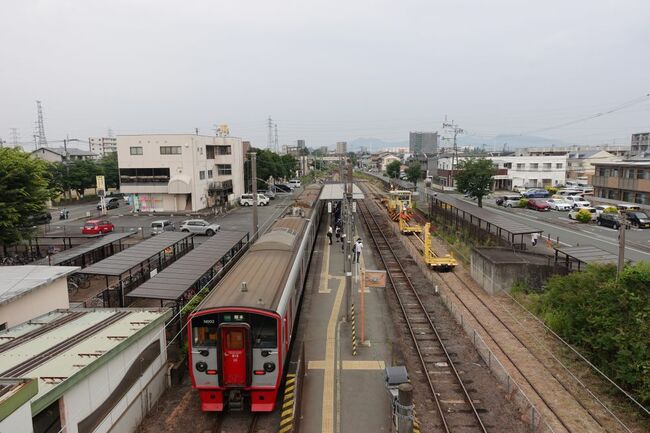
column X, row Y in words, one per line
column 404, row 227
column 436, row 262
column 398, row 202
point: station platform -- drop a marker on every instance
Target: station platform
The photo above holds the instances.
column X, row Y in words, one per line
column 343, row 392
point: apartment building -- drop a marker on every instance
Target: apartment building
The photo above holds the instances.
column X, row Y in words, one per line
column 581, row 165
column 627, row 180
column 423, row 142
column 102, row 145
column 640, row 143
column 180, row 172
column 342, row 147
column 515, row 172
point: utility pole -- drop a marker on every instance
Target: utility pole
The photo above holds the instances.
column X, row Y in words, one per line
column 621, row 249
column 270, row 126
column 454, row 159
column 277, row 147
column 254, row 188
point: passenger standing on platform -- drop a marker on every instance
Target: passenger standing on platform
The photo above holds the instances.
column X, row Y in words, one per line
column 338, row 233
column 329, row 234
column 358, row 246
column 343, row 241
column 534, row 237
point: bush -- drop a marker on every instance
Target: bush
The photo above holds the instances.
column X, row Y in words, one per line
column 551, row 189
column 610, row 209
column 523, row 202
column 583, row 216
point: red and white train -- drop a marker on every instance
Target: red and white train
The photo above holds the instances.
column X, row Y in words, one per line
column 240, row 335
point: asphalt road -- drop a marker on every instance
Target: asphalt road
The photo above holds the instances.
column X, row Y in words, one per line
column 239, row 219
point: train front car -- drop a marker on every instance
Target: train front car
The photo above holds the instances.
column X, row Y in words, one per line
column 241, row 333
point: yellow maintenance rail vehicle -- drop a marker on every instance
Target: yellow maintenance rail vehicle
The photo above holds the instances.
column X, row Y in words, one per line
column 405, row 227
column 398, row 202
column 436, row 262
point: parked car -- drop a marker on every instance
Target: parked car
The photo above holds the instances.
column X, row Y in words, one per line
column 608, row 220
column 537, row 204
column 295, row 183
column 573, row 212
column 201, row 227
column 567, row 192
column 280, row 187
column 510, row 200
column 247, row 200
column 160, row 226
column 94, row 227
column 39, row 218
column 601, row 208
column 536, row 193
column 577, row 201
column 639, row 219
column 269, row 193
column 625, row 208
column 559, row 204
column 111, row 203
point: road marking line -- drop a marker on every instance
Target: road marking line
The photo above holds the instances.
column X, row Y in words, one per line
column 327, row 425
column 316, row 365
column 324, row 279
column 363, row 365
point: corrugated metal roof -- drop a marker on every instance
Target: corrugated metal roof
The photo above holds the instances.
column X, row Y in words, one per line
column 128, row 259
column 65, row 366
column 78, row 251
column 17, row 281
column 588, row 254
column 174, row 280
column 335, row 191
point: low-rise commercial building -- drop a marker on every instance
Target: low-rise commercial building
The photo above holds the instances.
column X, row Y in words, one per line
column 31, row 290
column 180, row 172
column 60, row 154
column 581, row 165
column 627, row 180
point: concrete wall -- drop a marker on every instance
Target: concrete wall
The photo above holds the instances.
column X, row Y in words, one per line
column 20, row 421
column 497, row 275
column 35, row 303
column 126, row 414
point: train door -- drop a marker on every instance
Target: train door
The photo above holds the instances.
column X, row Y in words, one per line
column 234, row 355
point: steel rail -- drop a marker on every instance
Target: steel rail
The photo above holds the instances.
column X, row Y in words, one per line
column 374, row 230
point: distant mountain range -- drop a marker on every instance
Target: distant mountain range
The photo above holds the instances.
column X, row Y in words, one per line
column 491, row 143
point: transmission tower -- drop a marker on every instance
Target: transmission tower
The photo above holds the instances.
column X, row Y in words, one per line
column 454, row 159
column 40, row 127
column 275, row 141
column 15, row 137
column 270, row 126
column 109, row 134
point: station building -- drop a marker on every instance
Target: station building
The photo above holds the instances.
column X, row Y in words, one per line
column 29, row 291
column 82, row 370
column 180, row 172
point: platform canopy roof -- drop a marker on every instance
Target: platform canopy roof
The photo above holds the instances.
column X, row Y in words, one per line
column 173, row 281
column 122, row 262
column 587, row 254
column 487, row 215
column 336, row 191
column 78, row 251
column 17, row 281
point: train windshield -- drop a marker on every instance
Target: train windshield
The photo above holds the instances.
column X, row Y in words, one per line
column 263, row 329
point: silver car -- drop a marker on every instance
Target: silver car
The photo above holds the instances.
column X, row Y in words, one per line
column 160, row 226
column 201, row 227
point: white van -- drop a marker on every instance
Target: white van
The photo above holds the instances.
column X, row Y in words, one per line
column 294, row 183
column 247, row 200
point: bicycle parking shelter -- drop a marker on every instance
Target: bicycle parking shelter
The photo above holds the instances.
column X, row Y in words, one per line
column 101, row 247
column 134, row 265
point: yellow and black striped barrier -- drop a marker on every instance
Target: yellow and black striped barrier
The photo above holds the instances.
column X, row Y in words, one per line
column 288, row 405
column 416, row 423
column 354, row 333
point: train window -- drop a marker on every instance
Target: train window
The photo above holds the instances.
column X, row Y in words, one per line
column 204, row 331
column 235, row 340
column 265, row 331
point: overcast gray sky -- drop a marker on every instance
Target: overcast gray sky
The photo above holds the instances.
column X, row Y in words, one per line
column 325, row 70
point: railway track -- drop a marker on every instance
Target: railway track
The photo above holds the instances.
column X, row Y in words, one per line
column 452, row 401
column 236, row 422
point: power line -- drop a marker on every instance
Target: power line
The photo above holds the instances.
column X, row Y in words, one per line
column 620, row 107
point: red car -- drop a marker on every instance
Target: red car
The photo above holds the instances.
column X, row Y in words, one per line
column 94, row 227
column 539, row 205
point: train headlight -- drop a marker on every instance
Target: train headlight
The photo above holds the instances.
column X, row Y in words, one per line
column 269, row 367
column 201, row 366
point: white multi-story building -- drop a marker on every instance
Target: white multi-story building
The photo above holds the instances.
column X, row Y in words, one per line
column 102, row 145
column 180, row 172
column 518, row 171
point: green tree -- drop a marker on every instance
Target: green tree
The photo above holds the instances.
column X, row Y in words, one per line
column 392, row 169
column 475, row 177
column 269, row 164
column 107, row 166
column 608, row 319
column 80, row 174
column 414, row 172
column 24, row 190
